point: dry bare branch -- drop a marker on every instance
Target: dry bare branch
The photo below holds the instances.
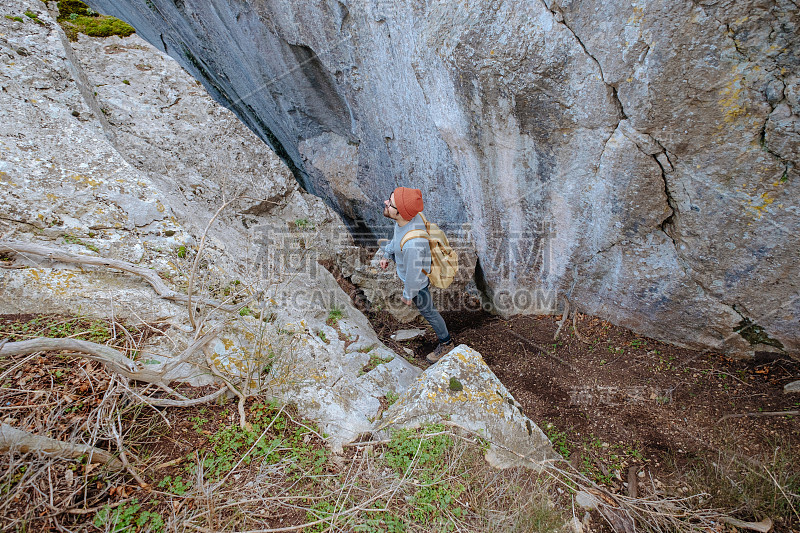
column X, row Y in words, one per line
column 150, row 276
column 12, row 439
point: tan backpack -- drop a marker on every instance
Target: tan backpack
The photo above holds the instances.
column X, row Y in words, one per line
column 444, row 260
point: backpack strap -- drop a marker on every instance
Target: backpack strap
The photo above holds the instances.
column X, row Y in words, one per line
column 414, row 234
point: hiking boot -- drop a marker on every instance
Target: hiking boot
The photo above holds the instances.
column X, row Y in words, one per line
column 440, row 351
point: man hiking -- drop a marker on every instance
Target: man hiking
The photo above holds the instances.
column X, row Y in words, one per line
column 404, row 206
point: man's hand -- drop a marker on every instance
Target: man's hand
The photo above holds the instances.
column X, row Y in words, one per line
column 384, row 263
column 407, row 302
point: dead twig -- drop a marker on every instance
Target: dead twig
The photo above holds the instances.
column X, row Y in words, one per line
column 765, row 413
column 158, row 402
column 575, row 328
column 195, row 263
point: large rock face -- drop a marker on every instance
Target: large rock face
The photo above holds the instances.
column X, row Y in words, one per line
column 639, row 159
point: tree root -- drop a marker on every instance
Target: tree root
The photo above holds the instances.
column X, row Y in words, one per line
column 150, row 276
column 114, row 360
column 12, row 439
column 575, row 328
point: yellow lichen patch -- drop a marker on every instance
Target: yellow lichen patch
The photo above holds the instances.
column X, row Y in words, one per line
column 636, row 17
column 730, row 101
column 59, row 282
column 86, row 180
column 50, row 196
column 160, row 206
column 6, row 178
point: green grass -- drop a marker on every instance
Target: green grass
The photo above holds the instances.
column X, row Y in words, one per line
column 374, row 361
column 55, row 326
column 334, row 315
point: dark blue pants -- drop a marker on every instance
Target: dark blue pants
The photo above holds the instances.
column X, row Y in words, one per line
column 424, row 302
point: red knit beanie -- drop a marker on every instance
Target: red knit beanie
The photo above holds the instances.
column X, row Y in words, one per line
column 408, row 202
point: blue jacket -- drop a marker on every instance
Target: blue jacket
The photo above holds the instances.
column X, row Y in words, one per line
column 412, row 260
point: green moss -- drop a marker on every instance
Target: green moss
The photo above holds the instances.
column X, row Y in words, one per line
column 18, row 19
column 102, row 26
column 76, row 7
column 456, row 385
column 755, row 334
column 34, row 17
column 77, row 17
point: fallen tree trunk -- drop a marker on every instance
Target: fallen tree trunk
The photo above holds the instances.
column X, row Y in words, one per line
column 150, row 276
column 12, row 439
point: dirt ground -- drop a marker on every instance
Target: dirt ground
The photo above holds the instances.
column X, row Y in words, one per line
column 629, row 410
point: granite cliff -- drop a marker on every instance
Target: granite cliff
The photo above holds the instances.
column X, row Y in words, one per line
column 639, row 159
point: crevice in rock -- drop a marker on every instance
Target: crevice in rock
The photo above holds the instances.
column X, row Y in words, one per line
column 559, row 18
column 762, row 141
column 669, row 221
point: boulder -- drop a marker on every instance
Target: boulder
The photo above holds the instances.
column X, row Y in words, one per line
column 462, row 390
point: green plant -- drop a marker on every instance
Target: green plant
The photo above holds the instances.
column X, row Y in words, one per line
column 638, row 343
column 182, row 251
column 176, row 485
column 128, row 517
column 89, row 22
column 558, row 438
column 392, row 397
column 17, row 18
column 335, row 314
column 303, row 224
column 245, row 311
column 71, row 239
column 321, row 335
column 374, row 361
column 126, row 82
column 197, row 422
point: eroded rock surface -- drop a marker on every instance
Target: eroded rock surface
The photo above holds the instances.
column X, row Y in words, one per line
column 638, row 159
column 109, row 149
